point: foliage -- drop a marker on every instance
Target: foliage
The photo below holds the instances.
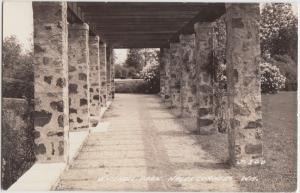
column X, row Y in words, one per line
column 120, row 71
column 150, row 74
column 278, row 30
column 139, row 58
column 271, row 78
column 219, row 42
column 130, row 86
column 17, row 69
column 288, row 68
column 149, row 56
column 17, row 143
column 123, row 72
column 134, row 59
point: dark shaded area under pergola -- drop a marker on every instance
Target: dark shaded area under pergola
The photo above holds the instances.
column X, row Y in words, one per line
column 144, row 24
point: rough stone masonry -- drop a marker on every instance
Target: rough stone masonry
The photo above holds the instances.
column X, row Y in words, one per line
column 94, row 69
column 103, row 84
column 51, row 116
column 191, row 83
column 188, row 70
column 175, row 71
column 79, row 76
column 243, row 57
column 204, row 61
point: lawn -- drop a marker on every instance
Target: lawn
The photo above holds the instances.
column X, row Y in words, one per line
column 279, row 146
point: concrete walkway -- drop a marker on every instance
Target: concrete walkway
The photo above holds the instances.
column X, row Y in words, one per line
column 144, row 149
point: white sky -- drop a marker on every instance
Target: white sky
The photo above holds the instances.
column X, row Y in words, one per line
column 18, row 21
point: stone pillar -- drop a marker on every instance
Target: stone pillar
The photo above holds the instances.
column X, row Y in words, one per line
column 108, row 72
column 243, row 76
column 188, row 78
column 167, row 63
column 162, row 74
column 51, row 116
column 79, row 76
column 112, row 75
column 94, row 69
column 175, row 71
column 103, row 85
column 205, row 71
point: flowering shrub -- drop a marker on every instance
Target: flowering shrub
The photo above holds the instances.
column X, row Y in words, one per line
column 150, row 74
column 271, row 78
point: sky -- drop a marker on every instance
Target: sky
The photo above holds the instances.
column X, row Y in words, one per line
column 18, row 21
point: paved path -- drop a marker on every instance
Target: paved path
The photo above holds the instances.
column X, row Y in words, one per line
column 144, row 149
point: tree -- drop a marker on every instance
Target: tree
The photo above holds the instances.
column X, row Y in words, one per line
column 17, row 69
column 134, row 59
column 149, row 56
column 11, row 51
column 278, row 29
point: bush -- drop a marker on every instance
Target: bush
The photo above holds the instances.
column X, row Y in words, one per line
column 132, row 73
column 130, row 86
column 151, row 75
column 271, row 78
column 124, row 72
column 17, row 142
column 288, row 68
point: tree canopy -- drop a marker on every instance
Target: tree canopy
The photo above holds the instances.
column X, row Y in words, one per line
column 278, row 29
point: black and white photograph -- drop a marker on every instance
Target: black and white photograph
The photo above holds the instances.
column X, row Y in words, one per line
column 149, row 96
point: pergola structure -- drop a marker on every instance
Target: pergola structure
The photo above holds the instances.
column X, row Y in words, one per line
column 144, row 24
column 73, row 66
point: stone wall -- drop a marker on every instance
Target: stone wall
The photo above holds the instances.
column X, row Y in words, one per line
column 162, row 74
column 79, row 76
column 167, row 62
column 205, row 73
column 108, row 73
column 243, row 73
column 188, row 83
column 51, row 117
column 112, row 75
column 94, row 69
column 175, row 71
column 17, row 142
column 103, row 84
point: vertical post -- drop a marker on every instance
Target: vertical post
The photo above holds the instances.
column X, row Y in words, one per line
column 162, row 73
column 167, row 63
column 79, row 76
column 108, row 73
column 51, row 116
column 94, row 69
column 188, row 83
column 112, row 74
column 205, row 71
column 103, row 85
column 175, row 74
column 243, row 75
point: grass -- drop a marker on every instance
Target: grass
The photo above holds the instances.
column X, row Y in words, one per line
column 279, row 146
